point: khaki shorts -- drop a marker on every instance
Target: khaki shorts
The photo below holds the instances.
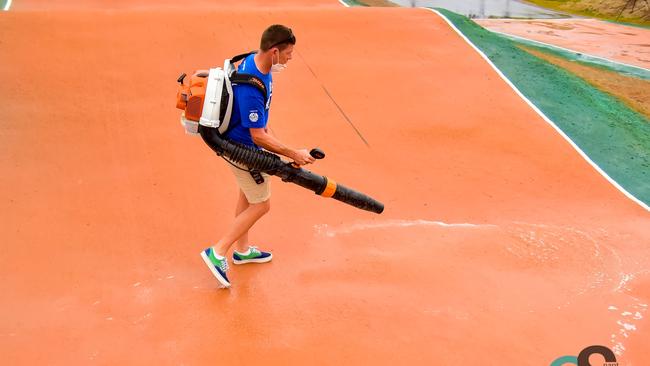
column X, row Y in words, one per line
column 255, row 193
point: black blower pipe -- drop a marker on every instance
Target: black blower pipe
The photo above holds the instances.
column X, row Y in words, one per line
column 270, row 163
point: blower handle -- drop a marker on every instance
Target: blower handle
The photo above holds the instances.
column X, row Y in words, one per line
column 180, row 78
column 315, row 153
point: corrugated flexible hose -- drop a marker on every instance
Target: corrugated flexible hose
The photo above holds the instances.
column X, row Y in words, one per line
column 270, row 163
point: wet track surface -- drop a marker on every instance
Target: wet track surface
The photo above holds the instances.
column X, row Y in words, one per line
column 615, row 42
column 498, row 242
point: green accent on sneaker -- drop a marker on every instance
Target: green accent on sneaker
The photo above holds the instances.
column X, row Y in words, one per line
column 216, row 261
column 254, row 253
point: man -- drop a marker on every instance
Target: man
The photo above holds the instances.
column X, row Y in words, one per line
column 248, row 126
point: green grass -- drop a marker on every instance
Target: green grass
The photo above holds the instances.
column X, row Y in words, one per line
column 641, row 24
column 556, row 5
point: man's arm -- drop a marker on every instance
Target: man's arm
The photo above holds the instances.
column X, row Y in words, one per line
column 262, row 138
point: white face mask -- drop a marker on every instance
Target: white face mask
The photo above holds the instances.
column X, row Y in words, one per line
column 278, row 67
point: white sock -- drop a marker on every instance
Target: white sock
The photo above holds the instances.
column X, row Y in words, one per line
column 217, row 255
column 247, row 252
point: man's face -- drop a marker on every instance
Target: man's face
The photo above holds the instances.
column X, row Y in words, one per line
column 286, row 54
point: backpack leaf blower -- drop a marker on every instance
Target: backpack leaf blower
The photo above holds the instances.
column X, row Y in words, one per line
column 207, row 102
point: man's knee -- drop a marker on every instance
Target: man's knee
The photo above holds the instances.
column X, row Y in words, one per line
column 264, row 206
column 267, row 205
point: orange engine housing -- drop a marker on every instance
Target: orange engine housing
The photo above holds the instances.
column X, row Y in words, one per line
column 189, row 97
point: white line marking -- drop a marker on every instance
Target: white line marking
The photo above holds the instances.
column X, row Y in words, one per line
column 344, row 3
column 541, row 114
column 7, row 5
column 567, row 49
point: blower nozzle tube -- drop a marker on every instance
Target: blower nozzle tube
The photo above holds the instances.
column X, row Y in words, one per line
column 269, row 163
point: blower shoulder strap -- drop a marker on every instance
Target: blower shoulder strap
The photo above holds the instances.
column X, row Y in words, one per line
column 252, row 80
column 249, row 79
column 238, row 58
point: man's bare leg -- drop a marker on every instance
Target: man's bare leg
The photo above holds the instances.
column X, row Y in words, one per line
column 242, row 204
column 243, row 222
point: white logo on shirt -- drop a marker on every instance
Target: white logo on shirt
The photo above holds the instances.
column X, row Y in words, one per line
column 253, row 117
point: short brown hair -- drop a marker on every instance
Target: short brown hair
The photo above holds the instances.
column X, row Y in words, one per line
column 278, row 36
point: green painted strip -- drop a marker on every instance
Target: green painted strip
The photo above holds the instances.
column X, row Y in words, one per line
column 615, row 137
column 602, row 63
column 354, row 3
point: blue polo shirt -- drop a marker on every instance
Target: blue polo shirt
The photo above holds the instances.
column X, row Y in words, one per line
column 249, row 110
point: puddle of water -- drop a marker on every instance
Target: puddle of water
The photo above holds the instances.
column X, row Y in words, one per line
column 486, row 8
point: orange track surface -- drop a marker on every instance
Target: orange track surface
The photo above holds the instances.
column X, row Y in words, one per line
column 612, row 41
column 107, row 204
column 149, row 5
